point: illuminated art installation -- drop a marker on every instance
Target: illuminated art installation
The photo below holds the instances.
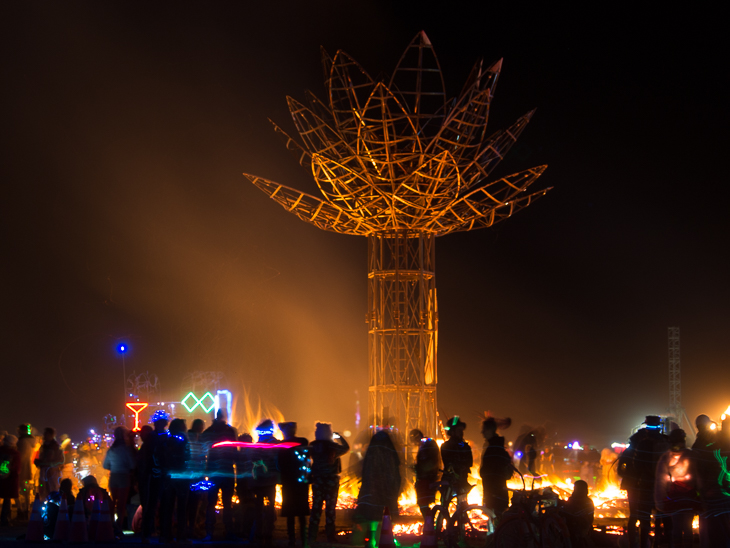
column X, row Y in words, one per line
column 208, row 402
column 136, row 407
column 219, row 395
column 192, row 405
column 398, row 162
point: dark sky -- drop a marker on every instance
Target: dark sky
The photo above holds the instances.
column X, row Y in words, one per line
column 126, row 128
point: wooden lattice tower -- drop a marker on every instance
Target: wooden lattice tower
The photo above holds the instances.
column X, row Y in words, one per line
column 398, row 162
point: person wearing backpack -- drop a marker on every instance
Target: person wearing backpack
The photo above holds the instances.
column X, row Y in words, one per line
column 637, row 469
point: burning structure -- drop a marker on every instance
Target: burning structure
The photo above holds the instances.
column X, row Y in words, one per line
column 400, row 163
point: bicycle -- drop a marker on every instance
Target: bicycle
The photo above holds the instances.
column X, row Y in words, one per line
column 533, row 520
column 455, row 520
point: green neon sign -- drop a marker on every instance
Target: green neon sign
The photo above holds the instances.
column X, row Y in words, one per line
column 191, row 406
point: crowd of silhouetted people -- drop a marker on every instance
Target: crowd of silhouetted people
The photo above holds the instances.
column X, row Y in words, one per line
column 665, row 478
column 184, row 480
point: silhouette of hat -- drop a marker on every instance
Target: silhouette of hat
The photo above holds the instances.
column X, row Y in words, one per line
column 653, row 420
column 454, row 422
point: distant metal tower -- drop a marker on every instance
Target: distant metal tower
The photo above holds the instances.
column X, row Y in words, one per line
column 675, row 383
column 675, row 373
column 398, row 162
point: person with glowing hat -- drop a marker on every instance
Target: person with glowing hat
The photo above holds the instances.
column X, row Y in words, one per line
column 456, row 456
column 637, row 469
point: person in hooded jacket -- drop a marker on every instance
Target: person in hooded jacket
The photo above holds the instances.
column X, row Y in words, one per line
column 380, row 487
column 496, row 468
column 675, row 488
column 326, row 468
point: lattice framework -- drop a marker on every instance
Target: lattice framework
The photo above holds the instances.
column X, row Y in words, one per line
column 398, row 162
column 675, row 373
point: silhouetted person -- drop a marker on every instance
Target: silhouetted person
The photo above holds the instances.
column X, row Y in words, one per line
column 428, row 470
column 675, row 488
column 714, row 484
column 90, row 492
column 495, row 470
column 152, row 454
column 66, row 490
column 579, row 510
column 53, row 507
column 380, row 484
column 265, row 478
column 9, row 476
column 529, row 456
column 26, row 445
column 49, row 462
column 705, row 435
column 457, row 457
column 176, row 481
column 140, row 471
column 326, row 468
column 196, row 469
column 120, row 461
column 294, row 467
column 637, row 468
column 220, row 471
column 246, row 507
column 704, row 464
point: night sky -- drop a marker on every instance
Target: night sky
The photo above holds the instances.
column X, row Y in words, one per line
column 126, row 128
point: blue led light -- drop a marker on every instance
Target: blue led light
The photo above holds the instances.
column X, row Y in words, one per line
column 122, row 348
column 202, row 486
column 159, row 414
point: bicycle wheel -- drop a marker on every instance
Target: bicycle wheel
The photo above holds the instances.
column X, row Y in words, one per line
column 478, row 520
column 554, row 532
column 440, row 522
column 516, row 532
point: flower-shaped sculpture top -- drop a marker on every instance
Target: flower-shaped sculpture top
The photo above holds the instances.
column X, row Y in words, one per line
column 398, row 155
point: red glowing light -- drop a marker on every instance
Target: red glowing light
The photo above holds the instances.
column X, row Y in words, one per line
column 136, row 407
column 282, row 445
